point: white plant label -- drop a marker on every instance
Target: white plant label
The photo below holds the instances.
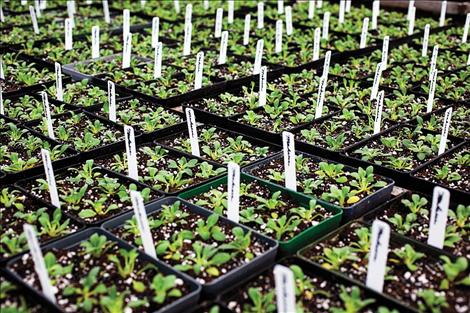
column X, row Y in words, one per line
column 126, row 53
column 219, row 14
column 326, row 25
column 326, row 65
column 107, row 17
column 233, row 190
column 288, row 144
column 316, row 44
column 2, row 109
column 68, row 34
column 192, row 131
column 375, row 86
column 411, row 5
column 258, row 56
column 263, row 73
column 58, row 82
column 435, row 51
column 445, row 131
column 47, row 113
column 155, row 31
column 319, row 3
column 2, row 16
column 468, row 59
column 375, row 13
column 348, row 5
column 311, row 9
column 424, row 50
column 280, row 6
column 378, row 112
column 188, row 15
column 365, row 26
column 188, row 29
column 230, row 11
column 112, row 101
column 465, row 29
column 206, row 5
column 24, row 2
column 42, row 4
column 385, row 53
column 246, row 30
column 320, row 97
column 143, row 223
column 157, row 65
column 432, row 89
column 223, row 48
column 289, row 28
column 411, row 22
column 71, row 11
column 50, row 178
column 39, row 264
column 342, row 8
column 198, row 71
column 95, row 42
column 378, row 255
column 278, row 38
column 285, row 289
column 37, row 8
column 260, row 15
column 125, row 22
column 131, row 153
column 142, row 3
column 176, row 4
column 438, row 218
column 34, row 20
column 442, row 17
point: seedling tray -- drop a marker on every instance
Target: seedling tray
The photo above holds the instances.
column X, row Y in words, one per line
column 298, row 241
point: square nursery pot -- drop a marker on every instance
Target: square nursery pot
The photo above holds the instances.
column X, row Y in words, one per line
column 350, row 212
column 397, row 241
column 226, row 280
column 305, row 237
column 181, row 305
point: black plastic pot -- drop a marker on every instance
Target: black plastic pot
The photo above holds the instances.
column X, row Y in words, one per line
column 226, row 280
column 180, row 305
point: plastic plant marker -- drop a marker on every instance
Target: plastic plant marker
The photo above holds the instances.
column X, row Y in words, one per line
column 375, row 86
column 95, row 42
column 378, row 112
column 37, row 8
column 223, row 48
column 280, row 6
column 58, row 82
column 143, row 223
column 125, row 22
column 68, row 34
column 445, row 131
column 465, row 29
column 2, row 16
column 107, row 17
column 142, row 3
column 311, row 9
column 157, row 66
column 206, row 5
column 263, row 73
column 468, row 59
column 176, row 4
column 289, row 27
column 47, row 113
column 260, row 15
column 131, row 153
column 438, row 218
column 198, row 70
column 326, row 65
column 342, row 9
column 34, row 20
column 2, row 108
column 319, row 3
column 385, row 45
column 71, row 12
column 258, row 56
column 320, row 96
column 375, row 13
column 316, row 44
column 285, row 289
column 411, row 22
column 192, row 131
column 411, row 5
column 246, row 30
column 219, row 14
column 2, row 72
column 442, row 17
column 155, row 31
column 24, row 2
column 378, row 255
column 365, row 26
column 326, row 25
column 112, row 101
column 39, row 264
column 424, row 50
column 50, row 178
column 432, row 89
column 188, row 29
column 288, row 143
column 435, row 51
column 230, row 11
column 188, row 14
column 126, row 52
column 233, row 192
column 278, row 44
